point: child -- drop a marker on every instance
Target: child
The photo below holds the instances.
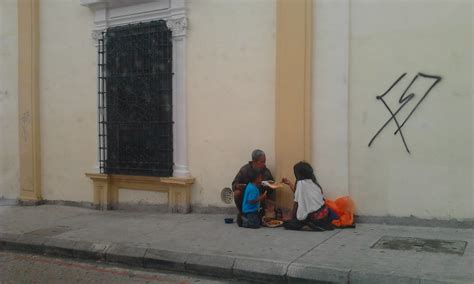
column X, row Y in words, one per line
column 252, row 199
column 309, row 207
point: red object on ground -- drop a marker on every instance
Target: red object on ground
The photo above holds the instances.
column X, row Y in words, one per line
column 344, row 207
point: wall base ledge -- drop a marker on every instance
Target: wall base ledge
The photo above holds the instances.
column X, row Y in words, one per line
column 106, row 189
column 467, row 223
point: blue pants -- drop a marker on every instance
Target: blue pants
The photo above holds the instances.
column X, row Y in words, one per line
column 251, row 220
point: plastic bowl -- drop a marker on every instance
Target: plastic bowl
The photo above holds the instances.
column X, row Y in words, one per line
column 229, row 220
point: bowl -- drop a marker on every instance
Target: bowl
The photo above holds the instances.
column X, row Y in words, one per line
column 229, row 220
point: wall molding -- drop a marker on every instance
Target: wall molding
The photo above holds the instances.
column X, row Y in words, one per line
column 110, row 13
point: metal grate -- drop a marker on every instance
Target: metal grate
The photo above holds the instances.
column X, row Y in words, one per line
column 135, row 100
column 421, row 245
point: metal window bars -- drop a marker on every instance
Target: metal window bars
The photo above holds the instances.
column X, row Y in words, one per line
column 135, row 100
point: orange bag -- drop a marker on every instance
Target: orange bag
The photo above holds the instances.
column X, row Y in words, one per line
column 344, row 208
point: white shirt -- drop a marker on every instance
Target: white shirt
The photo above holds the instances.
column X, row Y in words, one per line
column 309, row 197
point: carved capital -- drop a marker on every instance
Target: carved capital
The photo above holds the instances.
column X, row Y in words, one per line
column 96, row 34
column 177, row 26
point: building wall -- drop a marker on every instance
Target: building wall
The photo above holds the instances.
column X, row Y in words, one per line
column 472, row 100
column 388, row 39
column 9, row 152
column 68, row 100
column 68, row 105
column 230, row 88
column 330, row 95
column 360, row 48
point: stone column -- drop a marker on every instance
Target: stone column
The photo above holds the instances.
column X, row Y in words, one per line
column 178, row 27
column 28, row 96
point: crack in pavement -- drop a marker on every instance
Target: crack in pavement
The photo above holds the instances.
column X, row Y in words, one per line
column 311, row 249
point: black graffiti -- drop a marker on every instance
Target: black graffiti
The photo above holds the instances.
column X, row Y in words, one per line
column 403, row 101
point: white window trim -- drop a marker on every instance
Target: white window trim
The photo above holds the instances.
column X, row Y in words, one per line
column 110, row 13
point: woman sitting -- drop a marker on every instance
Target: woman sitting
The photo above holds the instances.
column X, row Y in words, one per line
column 309, row 208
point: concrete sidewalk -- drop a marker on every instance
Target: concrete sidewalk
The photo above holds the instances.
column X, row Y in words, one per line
column 203, row 244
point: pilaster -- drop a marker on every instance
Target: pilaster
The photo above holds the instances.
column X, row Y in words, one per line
column 28, row 100
column 178, row 26
column 293, row 89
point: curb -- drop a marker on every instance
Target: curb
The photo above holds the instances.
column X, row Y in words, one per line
column 202, row 264
column 298, row 272
column 222, row 266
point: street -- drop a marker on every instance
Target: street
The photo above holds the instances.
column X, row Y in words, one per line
column 29, row 268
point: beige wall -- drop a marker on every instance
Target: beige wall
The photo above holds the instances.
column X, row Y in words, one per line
column 360, row 48
column 230, row 88
column 68, row 100
column 230, row 79
column 330, row 95
column 9, row 160
column 472, row 100
column 389, row 38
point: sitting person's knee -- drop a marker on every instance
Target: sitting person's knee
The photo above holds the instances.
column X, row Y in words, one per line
column 238, row 194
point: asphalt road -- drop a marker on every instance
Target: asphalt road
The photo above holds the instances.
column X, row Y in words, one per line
column 28, row 268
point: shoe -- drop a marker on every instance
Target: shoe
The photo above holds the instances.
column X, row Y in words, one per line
column 315, row 227
column 329, row 227
column 306, row 228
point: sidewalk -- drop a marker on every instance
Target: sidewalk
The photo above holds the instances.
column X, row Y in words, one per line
column 202, row 243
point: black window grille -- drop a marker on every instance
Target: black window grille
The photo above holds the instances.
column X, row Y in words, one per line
column 135, row 100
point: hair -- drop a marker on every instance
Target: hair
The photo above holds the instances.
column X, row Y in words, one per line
column 257, row 154
column 253, row 174
column 303, row 170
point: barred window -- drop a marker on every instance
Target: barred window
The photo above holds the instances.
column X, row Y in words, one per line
column 135, row 100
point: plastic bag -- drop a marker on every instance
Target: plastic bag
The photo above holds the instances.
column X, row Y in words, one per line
column 344, row 207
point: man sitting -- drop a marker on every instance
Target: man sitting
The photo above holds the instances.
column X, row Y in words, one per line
column 242, row 179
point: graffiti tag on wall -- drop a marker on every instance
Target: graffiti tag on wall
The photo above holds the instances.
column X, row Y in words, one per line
column 404, row 101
